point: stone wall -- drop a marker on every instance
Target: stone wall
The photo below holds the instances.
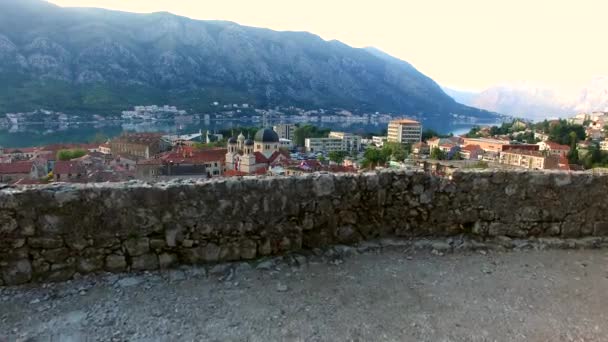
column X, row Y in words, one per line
column 52, row 232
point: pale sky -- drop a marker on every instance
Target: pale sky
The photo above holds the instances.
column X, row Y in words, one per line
column 465, row 44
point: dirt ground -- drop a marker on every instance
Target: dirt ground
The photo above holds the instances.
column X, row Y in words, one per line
column 340, row 294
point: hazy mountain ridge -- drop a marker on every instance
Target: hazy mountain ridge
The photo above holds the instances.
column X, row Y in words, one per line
column 84, row 59
column 537, row 102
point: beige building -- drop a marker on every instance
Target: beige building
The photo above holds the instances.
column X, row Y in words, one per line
column 404, row 131
column 138, row 145
column 529, row 159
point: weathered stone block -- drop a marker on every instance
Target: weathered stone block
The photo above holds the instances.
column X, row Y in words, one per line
column 248, row 249
column 600, row 228
column 144, row 262
column 46, row 243
column 157, row 244
column 88, row 265
column 210, row 252
column 229, row 252
column 76, row 242
column 18, row 272
column 265, row 247
column 173, row 236
column 57, row 255
column 116, row 263
column 167, row 260
column 8, row 224
column 136, row 247
column 347, row 235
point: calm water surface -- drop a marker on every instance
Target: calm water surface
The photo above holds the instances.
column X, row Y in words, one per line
column 44, row 134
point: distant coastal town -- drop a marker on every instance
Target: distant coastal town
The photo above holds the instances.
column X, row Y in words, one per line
column 576, row 144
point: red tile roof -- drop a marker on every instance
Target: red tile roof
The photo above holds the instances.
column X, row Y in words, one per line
column 17, row 167
column 260, row 158
column 555, row 146
column 21, row 150
column 471, row 148
column 189, row 155
column 234, row 173
column 68, row 167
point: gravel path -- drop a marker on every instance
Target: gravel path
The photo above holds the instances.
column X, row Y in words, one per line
column 396, row 294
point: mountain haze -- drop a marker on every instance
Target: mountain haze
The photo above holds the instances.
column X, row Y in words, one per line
column 95, row 60
column 539, row 101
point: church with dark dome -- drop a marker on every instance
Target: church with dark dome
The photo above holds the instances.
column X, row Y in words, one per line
column 246, row 156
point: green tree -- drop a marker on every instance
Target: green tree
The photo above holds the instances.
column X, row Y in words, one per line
column 70, row 154
column 337, row 156
column 373, row 157
column 560, row 132
column 395, row 151
column 438, row 154
column 308, row 131
column 429, row 133
column 456, row 156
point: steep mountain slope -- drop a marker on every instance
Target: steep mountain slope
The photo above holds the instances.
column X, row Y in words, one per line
column 94, row 60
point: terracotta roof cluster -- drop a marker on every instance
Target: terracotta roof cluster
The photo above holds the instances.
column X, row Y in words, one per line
column 17, row 167
column 20, row 150
column 471, row 148
column 68, row 167
column 261, row 158
column 555, row 146
column 188, row 155
column 194, row 156
column 138, row 138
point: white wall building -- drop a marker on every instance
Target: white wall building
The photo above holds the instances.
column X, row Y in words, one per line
column 337, row 141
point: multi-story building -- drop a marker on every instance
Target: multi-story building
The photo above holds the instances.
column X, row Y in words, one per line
column 285, row 131
column 471, row 152
column 337, row 141
column 138, row 145
column 184, row 162
column 404, row 131
column 379, row 141
column 323, row 144
column 553, row 148
column 529, row 159
column 350, row 141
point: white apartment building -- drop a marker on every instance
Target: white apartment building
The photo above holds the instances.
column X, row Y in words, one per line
column 285, row 131
column 379, row 141
column 323, row 144
column 350, row 141
column 285, row 143
column 337, row 141
column 404, row 131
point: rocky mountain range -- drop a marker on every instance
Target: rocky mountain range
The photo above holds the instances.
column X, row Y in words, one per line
column 538, row 102
column 95, row 60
